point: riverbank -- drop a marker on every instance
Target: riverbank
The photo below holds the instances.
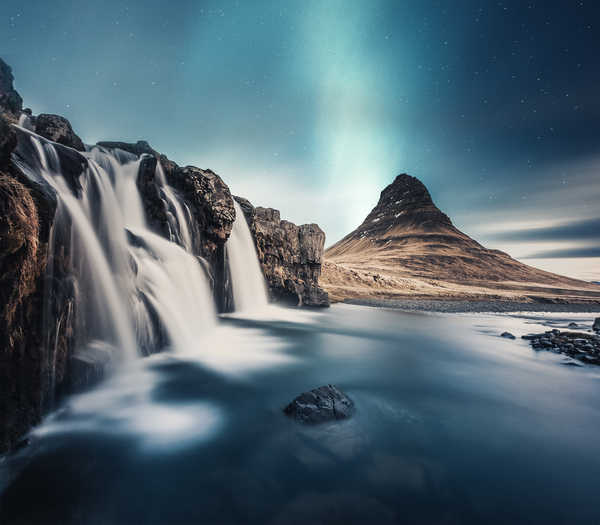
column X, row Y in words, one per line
column 462, row 306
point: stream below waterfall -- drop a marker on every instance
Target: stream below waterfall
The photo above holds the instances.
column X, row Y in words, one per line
column 454, row 424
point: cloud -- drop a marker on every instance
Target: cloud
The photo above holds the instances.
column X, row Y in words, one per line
column 591, row 251
column 584, row 230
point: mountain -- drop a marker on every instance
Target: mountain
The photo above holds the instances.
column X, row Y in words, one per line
column 407, row 247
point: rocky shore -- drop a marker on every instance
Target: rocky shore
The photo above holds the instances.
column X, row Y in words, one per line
column 584, row 347
column 463, row 306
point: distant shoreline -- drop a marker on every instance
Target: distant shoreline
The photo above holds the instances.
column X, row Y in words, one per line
column 466, row 306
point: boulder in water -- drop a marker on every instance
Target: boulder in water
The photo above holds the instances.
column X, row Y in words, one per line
column 88, row 366
column 596, row 325
column 326, row 403
column 507, row 335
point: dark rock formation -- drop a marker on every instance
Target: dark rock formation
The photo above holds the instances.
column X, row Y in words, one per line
column 290, row 255
column 8, row 141
column 507, row 335
column 36, row 308
column 581, row 346
column 36, row 302
column 326, row 403
column 57, row 129
column 72, row 163
column 88, row 366
column 596, row 325
column 11, row 102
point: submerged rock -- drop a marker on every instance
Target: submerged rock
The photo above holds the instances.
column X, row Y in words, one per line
column 596, row 325
column 326, row 403
column 573, row 325
column 507, row 335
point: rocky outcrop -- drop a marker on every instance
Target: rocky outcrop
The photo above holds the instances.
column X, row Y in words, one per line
column 326, row 403
column 57, row 129
column 36, row 309
column 290, row 255
column 578, row 346
column 36, row 306
column 11, row 102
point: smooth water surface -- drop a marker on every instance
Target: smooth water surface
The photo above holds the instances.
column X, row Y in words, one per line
column 453, row 425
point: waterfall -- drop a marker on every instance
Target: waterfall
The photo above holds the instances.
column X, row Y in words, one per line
column 247, row 281
column 136, row 291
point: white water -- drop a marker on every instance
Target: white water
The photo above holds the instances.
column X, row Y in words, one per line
column 179, row 222
column 247, row 281
column 135, row 289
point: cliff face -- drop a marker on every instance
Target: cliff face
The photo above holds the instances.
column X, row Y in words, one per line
column 290, row 255
column 33, row 354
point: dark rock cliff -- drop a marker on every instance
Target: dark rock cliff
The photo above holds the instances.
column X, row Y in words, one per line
column 37, row 314
column 290, row 255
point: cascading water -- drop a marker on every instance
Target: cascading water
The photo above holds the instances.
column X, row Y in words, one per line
column 136, row 290
column 247, row 281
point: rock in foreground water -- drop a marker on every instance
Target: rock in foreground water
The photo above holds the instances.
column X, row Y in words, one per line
column 577, row 345
column 507, row 335
column 326, row 403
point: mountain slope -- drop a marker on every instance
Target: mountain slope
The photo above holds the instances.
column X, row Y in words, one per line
column 407, row 247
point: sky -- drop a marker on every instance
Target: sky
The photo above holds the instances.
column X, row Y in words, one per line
column 313, row 107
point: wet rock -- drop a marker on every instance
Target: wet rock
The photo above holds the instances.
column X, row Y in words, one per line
column 72, row 163
column 57, row 129
column 32, row 355
column 326, row 403
column 596, row 325
column 88, row 366
column 573, row 325
column 8, row 140
column 576, row 345
column 507, row 335
column 290, row 255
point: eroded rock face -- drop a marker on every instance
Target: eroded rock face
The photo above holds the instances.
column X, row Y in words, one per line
column 33, row 354
column 326, row 403
column 11, row 102
column 57, row 129
column 8, row 141
column 290, row 255
column 37, row 314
